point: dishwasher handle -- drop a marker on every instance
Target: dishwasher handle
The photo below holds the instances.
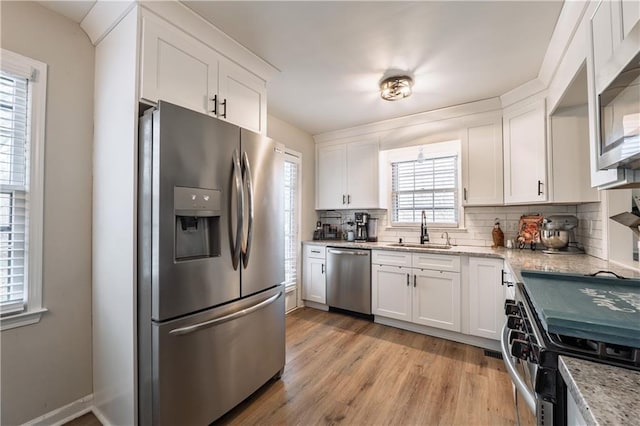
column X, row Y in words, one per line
column 349, row 252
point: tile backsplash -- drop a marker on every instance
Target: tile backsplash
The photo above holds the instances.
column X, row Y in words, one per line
column 478, row 224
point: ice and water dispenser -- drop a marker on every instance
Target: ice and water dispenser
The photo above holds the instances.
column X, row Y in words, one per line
column 197, row 227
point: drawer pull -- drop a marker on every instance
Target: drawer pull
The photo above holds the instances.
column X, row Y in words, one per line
column 407, row 280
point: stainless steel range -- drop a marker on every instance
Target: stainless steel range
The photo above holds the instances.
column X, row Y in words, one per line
column 589, row 317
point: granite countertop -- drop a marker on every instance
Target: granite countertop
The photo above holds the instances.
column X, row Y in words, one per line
column 605, row 395
column 518, row 260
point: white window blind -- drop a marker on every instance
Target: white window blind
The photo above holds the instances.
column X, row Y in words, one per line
column 430, row 185
column 14, row 186
column 290, row 220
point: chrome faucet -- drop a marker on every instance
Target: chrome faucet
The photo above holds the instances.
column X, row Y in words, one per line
column 445, row 235
column 424, row 234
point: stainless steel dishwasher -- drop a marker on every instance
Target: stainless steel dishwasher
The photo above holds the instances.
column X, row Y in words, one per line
column 349, row 279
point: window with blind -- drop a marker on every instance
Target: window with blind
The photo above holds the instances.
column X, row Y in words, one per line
column 429, row 185
column 22, row 101
column 14, row 151
column 291, row 218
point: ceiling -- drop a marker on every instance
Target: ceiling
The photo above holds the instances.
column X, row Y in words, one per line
column 332, row 55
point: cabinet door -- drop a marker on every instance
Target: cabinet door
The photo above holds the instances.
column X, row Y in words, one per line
column 525, row 161
column 176, row 67
column 486, row 297
column 331, row 163
column 242, row 98
column 313, row 280
column 436, row 299
column 391, row 292
column 602, row 35
column 362, row 175
column 630, row 15
column 482, row 165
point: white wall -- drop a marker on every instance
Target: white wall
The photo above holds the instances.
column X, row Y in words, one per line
column 48, row 365
column 298, row 140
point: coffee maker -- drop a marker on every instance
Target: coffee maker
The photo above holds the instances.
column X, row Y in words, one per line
column 361, row 226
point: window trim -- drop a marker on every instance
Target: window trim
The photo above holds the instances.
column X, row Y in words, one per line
column 430, row 149
column 296, row 157
column 36, row 72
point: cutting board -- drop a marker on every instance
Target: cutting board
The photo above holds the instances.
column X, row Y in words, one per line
column 598, row 308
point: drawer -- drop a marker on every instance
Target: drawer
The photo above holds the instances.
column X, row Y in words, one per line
column 317, row 252
column 436, row 262
column 392, row 258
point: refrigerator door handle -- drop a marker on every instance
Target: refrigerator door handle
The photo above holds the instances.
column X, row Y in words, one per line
column 237, row 172
column 248, row 179
column 226, row 318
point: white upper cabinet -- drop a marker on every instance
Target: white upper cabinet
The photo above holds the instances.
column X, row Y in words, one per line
column 630, row 16
column 525, row 161
column 362, row 175
column 482, row 170
column 331, row 172
column 242, row 97
column 178, row 68
column 347, row 176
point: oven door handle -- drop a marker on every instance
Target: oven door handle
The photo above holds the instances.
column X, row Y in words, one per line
column 517, row 380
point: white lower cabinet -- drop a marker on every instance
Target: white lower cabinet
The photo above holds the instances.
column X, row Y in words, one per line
column 421, row 296
column 314, row 286
column 436, row 299
column 486, row 297
column 391, row 291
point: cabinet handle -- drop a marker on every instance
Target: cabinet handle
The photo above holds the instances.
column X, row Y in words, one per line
column 224, row 104
column 315, row 251
column 540, row 187
column 414, row 280
column 344, row 199
column 215, row 105
column 348, row 199
column 322, row 271
column 407, row 280
column 465, row 194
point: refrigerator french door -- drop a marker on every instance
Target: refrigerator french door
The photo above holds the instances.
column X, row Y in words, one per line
column 210, row 267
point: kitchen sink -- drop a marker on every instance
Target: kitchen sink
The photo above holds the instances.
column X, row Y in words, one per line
column 423, row 246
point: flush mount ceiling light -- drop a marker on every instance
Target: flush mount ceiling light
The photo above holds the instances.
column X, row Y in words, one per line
column 394, row 88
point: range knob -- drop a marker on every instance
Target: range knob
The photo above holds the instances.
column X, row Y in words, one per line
column 520, row 349
column 514, row 322
column 516, row 335
column 511, row 308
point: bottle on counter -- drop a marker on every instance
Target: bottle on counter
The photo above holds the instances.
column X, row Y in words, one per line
column 497, row 234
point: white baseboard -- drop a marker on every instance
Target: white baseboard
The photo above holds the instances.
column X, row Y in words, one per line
column 64, row 414
column 480, row 342
column 100, row 416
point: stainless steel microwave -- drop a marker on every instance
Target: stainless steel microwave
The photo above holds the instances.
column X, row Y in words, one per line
column 619, row 120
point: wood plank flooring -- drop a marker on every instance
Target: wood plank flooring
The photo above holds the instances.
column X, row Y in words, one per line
column 345, row 370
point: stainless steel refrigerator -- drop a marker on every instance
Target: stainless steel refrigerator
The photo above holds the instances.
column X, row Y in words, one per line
column 210, row 266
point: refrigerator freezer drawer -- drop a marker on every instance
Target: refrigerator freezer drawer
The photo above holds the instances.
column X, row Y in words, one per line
column 207, row 363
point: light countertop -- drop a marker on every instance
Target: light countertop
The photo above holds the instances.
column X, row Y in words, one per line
column 605, row 395
column 518, row 260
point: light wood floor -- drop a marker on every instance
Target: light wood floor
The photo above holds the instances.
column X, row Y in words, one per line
column 342, row 369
